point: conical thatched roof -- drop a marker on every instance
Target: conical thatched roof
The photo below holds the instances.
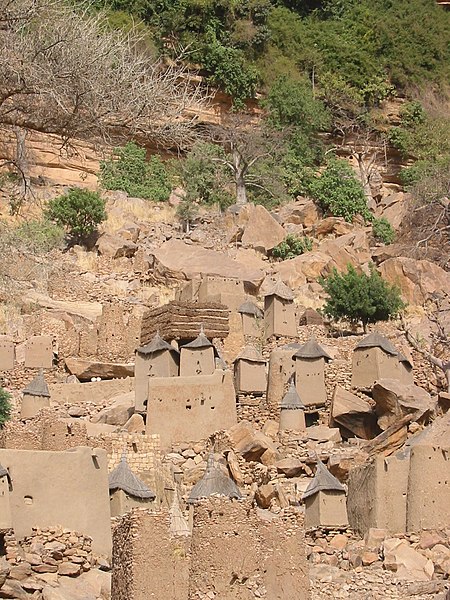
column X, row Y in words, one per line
column 123, row 478
column 157, row 344
column 250, row 354
column 323, row 480
column 281, row 290
column 250, row 308
column 38, row 387
column 3, row 472
column 291, row 400
column 312, row 350
column 178, row 524
column 201, row 341
column 376, row 340
column 214, row 483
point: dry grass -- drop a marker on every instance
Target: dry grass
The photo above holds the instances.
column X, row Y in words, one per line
column 87, row 261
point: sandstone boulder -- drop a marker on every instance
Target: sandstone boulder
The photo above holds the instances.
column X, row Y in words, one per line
column 265, row 494
column 86, row 369
column 418, row 280
column 405, row 561
column 353, row 414
column 394, row 400
column 177, row 260
column 261, row 231
column 302, row 212
column 115, row 246
column 307, row 267
column 322, row 433
column 4, row 571
column 118, row 412
column 135, row 423
column 332, row 225
column 290, row 467
column 249, row 443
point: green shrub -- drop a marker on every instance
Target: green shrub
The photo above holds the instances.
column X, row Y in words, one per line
column 292, row 246
column 39, row 235
column 130, row 172
column 360, row 297
column 339, row 192
column 78, row 211
column 383, row 231
column 5, row 406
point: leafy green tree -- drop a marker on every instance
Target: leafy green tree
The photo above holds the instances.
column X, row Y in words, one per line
column 5, row 406
column 383, row 231
column 130, row 172
column 78, row 211
column 339, row 192
column 360, row 298
column 292, row 246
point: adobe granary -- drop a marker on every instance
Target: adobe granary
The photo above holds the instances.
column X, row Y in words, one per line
column 223, row 290
column 68, row 488
column 325, row 501
column 39, row 352
column 281, row 369
column 35, row 396
column 279, row 312
column 214, row 483
column 310, row 362
column 7, row 353
column 292, row 411
column 374, row 358
column 250, row 372
column 127, row 491
column 197, row 357
column 5, row 507
column 252, row 319
column 189, row 409
column 183, row 320
column 156, row 359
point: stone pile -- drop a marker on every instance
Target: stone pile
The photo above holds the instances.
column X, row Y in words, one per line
column 42, row 559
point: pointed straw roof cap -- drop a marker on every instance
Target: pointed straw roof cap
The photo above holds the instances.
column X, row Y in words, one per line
column 3, row 471
column 201, row 341
column 37, row 387
column 214, row 483
column 250, row 308
column 123, row 478
column 178, row 523
column 250, row 354
column 323, row 480
column 281, row 290
column 312, row 350
column 376, row 340
column 291, row 400
column 157, row 344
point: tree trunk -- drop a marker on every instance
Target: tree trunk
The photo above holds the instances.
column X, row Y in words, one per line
column 239, row 179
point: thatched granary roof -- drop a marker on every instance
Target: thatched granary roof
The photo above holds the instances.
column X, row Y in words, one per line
column 281, row 290
column 250, row 308
column 157, row 344
column 123, row 478
column 201, row 341
column 37, row 387
column 376, row 340
column 3, row 471
column 312, row 350
column 214, row 483
column 250, row 354
column 291, row 400
column 323, row 481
